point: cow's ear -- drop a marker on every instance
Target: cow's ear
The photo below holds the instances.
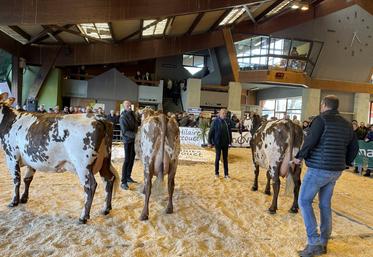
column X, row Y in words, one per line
column 10, row 101
column 3, row 96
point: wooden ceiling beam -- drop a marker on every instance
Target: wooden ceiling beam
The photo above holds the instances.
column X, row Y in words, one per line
column 55, row 37
column 195, row 23
column 217, row 22
column 76, row 12
column 80, row 34
column 268, row 9
column 20, row 31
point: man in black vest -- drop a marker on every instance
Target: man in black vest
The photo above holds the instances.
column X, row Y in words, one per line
column 128, row 126
column 220, row 135
column 329, row 145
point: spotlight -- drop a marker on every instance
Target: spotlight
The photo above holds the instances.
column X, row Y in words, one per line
column 305, row 7
column 295, row 6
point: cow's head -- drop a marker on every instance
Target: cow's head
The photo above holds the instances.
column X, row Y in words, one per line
column 253, row 123
column 5, row 104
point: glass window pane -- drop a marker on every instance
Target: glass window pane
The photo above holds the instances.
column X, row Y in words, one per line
column 279, row 46
column 268, row 113
column 297, row 65
column 267, row 104
column 256, row 45
column 199, row 61
column 243, row 48
column 300, row 48
column 309, row 69
column 280, row 115
column 187, row 60
column 316, row 48
column 281, row 105
column 276, row 62
column 294, row 103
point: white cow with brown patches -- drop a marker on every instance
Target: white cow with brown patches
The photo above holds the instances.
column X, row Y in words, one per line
column 56, row 143
column 273, row 146
column 158, row 147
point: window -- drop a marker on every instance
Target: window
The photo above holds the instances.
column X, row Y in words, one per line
column 96, row 30
column 283, row 106
column 284, row 4
column 152, row 27
column 265, row 52
column 232, row 16
column 193, row 63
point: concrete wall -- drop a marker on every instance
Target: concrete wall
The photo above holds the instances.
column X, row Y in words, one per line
column 336, row 61
column 111, row 87
column 346, row 102
column 274, row 93
column 214, row 99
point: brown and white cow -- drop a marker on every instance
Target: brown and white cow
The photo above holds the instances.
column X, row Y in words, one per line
column 56, row 143
column 273, row 146
column 158, row 147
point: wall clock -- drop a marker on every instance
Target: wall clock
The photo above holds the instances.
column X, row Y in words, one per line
column 358, row 30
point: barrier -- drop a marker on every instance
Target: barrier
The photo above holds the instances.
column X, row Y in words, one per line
column 365, row 156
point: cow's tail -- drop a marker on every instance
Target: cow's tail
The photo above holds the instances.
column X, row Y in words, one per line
column 158, row 185
column 289, row 186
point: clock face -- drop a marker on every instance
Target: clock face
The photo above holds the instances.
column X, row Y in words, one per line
column 358, row 30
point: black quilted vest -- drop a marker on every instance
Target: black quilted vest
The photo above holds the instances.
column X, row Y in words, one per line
column 330, row 152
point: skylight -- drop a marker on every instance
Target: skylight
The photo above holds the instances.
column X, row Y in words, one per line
column 156, row 29
column 232, row 16
column 96, row 30
column 279, row 7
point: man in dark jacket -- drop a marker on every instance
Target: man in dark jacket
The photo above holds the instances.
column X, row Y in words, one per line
column 220, row 135
column 128, row 126
column 328, row 147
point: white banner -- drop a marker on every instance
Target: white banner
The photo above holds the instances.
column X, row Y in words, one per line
column 190, row 136
column 241, row 140
column 196, row 154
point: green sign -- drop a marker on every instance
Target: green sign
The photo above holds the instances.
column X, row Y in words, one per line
column 365, row 156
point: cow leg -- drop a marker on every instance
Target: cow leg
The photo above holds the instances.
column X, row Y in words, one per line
column 276, row 189
column 148, row 187
column 296, row 178
column 267, row 191
column 27, row 180
column 88, row 181
column 171, row 186
column 255, row 185
column 16, row 175
column 108, row 178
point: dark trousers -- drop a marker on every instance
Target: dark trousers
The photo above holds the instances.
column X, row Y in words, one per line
column 129, row 158
column 218, row 150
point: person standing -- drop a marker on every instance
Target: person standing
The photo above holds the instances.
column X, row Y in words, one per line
column 329, row 145
column 220, row 135
column 128, row 126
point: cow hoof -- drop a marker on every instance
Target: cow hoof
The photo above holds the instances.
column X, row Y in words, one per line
column 271, row 211
column 293, row 210
column 144, row 217
column 106, row 211
column 267, row 192
column 23, row 200
column 169, row 210
column 12, row 204
column 82, row 221
column 254, row 188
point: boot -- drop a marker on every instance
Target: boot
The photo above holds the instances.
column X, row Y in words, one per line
column 312, row 250
column 367, row 173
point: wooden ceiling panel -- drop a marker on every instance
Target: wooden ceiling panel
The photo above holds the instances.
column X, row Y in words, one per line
column 207, row 21
column 70, row 38
column 32, row 30
column 182, row 24
column 122, row 29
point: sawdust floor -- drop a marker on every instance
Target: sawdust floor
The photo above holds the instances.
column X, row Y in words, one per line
column 212, row 217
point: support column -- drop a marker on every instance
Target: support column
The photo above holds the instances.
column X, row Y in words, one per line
column 17, row 80
column 361, row 107
column 310, row 103
column 192, row 97
column 234, row 98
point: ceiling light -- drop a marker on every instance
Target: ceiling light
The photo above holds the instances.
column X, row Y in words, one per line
column 295, row 6
column 305, row 7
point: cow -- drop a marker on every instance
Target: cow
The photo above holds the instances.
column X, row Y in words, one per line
column 273, row 146
column 158, row 147
column 56, row 143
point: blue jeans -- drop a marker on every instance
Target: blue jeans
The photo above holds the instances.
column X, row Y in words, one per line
column 322, row 182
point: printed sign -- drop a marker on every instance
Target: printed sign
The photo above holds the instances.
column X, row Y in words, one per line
column 241, row 140
column 196, row 154
column 365, row 156
column 195, row 111
column 191, row 136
